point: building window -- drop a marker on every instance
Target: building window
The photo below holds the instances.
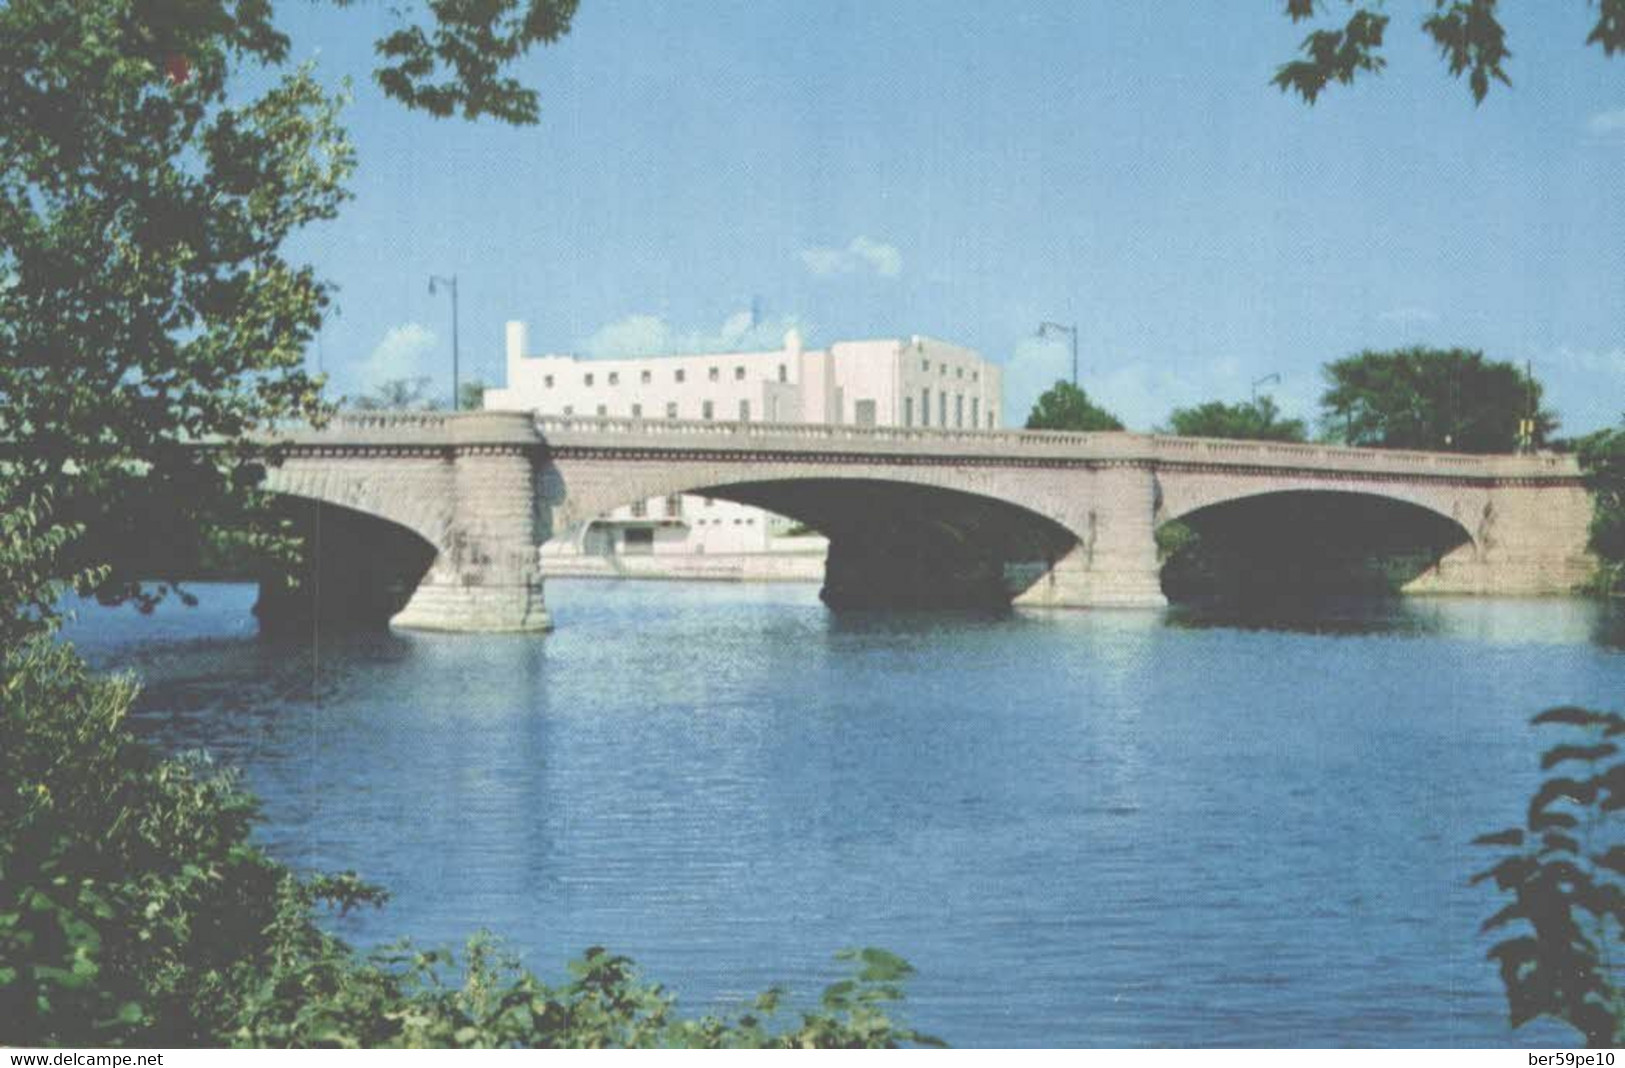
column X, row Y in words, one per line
column 640, row 509
column 680, row 374
column 942, row 409
column 925, row 407
column 716, row 375
column 674, row 506
column 744, row 411
column 739, row 374
column 671, row 409
column 975, row 412
column 959, row 372
column 708, row 410
column 637, row 411
column 784, row 373
column 603, row 409
column 646, row 377
column 588, row 379
column 959, row 411
column 614, row 378
column 942, row 369
column 976, row 376
column 908, row 411
column 990, row 420
column 925, row 365
column 547, row 381
column 568, row 410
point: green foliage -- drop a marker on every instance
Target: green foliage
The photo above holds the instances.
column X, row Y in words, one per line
column 1066, row 407
column 32, row 576
column 1563, row 870
column 399, row 395
column 1602, row 458
column 1467, row 33
column 135, row 910
column 456, row 66
column 147, row 306
column 471, row 396
column 1421, row 398
column 1255, row 420
column 147, row 191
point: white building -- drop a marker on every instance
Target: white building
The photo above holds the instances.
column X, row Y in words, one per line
column 915, row 382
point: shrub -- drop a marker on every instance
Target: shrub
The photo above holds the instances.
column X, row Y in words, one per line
column 1563, row 870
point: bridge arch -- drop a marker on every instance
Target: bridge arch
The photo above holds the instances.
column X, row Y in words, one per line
column 896, row 539
column 1340, row 538
column 357, row 567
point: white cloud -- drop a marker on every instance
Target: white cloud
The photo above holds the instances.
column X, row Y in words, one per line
column 635, row 335
column 824, row 261
column 1607, row 125
column 405, row 352
column 650, row 335
column 1408, row 315
column 861, row 254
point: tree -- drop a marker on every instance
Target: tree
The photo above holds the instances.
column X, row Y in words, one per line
column 1602, row 458
column 398, row 395
column 1420, row 398
column 146, row 304
column 1469, row 36
column 471, row 395
column 1066, row 407
column 1255, row 420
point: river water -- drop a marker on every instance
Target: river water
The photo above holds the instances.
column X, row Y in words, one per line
column 1083, row 828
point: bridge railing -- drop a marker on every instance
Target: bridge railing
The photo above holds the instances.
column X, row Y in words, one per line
column 555, row 424
column 443, row 429
column 1105, row 445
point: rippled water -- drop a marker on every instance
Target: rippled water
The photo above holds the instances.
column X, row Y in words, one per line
column 1092, row 828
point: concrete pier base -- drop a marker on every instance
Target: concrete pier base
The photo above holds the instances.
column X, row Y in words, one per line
column 512, row 607
column 1077, row 588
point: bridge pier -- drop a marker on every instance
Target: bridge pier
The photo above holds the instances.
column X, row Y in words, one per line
column 485, row 576
column 1114, row 564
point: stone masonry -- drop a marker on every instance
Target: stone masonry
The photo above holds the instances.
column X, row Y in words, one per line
column 485, row 489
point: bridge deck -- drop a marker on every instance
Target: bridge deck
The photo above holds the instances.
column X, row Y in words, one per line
column 362, row 430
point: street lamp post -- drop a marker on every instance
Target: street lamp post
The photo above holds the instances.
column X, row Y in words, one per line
column 1271, row 377
column 1046, row 328
column 451, row 284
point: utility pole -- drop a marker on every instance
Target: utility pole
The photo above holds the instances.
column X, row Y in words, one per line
column 1526, row 425
column 451, row 284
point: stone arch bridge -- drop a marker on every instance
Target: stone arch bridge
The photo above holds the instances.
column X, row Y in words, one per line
column 435, row 519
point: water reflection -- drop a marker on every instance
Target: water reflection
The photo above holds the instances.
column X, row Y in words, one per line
column 1554, row 620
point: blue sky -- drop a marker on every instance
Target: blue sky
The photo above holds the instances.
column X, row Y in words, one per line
column 866, row 168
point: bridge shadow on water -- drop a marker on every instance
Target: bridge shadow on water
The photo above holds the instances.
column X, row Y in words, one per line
column 1308, row 613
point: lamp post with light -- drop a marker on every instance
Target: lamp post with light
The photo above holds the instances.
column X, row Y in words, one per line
column 1271, row 377
column 1047, row 328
